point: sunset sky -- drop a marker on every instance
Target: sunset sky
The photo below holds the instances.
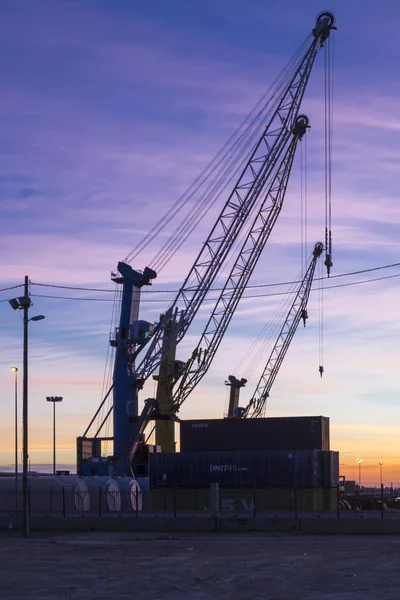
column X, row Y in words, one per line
column 109, row 110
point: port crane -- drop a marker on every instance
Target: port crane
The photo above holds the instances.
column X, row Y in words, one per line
column 218, row 322
column 142, row 347
column 241, row 271
column 297, row 312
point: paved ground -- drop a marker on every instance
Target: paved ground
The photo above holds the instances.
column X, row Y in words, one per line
column 198, row 567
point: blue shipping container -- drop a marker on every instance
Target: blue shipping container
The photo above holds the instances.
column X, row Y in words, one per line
column 273, row 468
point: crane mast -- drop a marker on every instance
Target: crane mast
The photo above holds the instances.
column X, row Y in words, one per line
column 298, row 310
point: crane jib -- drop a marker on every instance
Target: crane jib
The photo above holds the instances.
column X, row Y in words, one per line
column 256, row 406
column 242, row 269
column 259, row 190
column 239, row 205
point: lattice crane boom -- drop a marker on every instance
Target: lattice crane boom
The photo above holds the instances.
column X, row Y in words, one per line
column 297, row 311
column 237, row 209
column 241, row 271
column 141, row 347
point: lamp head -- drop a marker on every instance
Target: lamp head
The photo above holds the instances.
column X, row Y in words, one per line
column 24, row 301
column 37, row 318
column 14, row 369
column 14, row 303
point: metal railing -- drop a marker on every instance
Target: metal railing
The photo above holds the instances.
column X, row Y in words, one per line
column 237, row 503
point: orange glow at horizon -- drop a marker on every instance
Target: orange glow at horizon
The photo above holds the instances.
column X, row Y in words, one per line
column 371, row 443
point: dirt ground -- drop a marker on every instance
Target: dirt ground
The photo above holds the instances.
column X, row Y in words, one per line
column 199, row 567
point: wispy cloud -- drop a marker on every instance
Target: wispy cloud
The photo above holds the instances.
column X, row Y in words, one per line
column 108, row 113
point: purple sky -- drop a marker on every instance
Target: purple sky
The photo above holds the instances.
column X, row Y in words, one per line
column 109, row 110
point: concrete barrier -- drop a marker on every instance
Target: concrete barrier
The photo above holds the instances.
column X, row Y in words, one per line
column 207, row 524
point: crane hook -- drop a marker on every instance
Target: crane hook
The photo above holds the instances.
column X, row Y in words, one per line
column 304, row 316
column 328, row 263
column 321, row 370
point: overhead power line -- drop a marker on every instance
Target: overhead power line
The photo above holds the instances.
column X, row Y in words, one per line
column 13, row 287
column 258, row 286
column 261, row 285
column 329, row 287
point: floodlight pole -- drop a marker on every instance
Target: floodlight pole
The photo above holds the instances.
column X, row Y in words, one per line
column 54, row 399
column 16, row 421
column 25, row 455
column 24, row 303
column 54, row 438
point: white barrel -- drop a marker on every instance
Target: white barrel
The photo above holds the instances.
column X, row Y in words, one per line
column 77, row 488
column 105, row 494
column 131, row 494
column 47, row 494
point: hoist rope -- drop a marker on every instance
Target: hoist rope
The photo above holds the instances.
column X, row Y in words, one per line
column 278, row 319
column 328, row 143
column 278, row 335
column 268, row 334
column 332, row 71
column 107, row 375
column 303, row 205
column 329, row 81
column 217, row 173
column 326, row 149
column 271, row 330
column 301, row 208
column 230, row 169
column 201, row 207
column 321, row 319
column 305, row 202
column 114, row 324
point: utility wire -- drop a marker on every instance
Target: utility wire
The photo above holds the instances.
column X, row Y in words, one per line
column 13, row 287
column 330, row 287
column 258, row 286
column 261, row 285
column 266, row 337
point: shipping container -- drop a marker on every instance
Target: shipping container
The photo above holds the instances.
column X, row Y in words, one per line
column 329, row 469
column 274, row 468
column 272, row 433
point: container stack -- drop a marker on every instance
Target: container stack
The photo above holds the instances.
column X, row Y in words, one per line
column 272, row 433
column 270, row 453
column 263, row 468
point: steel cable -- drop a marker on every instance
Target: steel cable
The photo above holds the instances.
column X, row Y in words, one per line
column 215, row 162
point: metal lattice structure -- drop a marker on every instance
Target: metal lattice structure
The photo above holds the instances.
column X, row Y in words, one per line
column 238, row 206
column 241, row 271
column 259, row 190
column 297, row 311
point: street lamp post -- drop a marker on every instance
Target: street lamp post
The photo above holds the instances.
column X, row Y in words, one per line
column 381, row 468
column 381, row 465
column 24, row 303
column 54, row 400
column 359, row 461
